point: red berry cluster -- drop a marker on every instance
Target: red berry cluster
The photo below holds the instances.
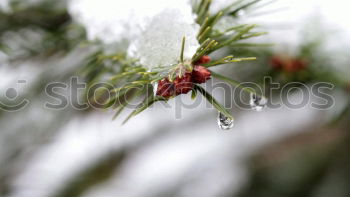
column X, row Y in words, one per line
column 184, row 84
column 288, row 64
column 347, row 87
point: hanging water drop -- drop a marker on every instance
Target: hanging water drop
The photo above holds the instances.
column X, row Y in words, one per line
column 224, row 122
column 258, row 103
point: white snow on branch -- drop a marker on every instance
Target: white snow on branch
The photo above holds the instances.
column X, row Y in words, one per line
column 155, row 27
column 160, row 42
column 111, row 21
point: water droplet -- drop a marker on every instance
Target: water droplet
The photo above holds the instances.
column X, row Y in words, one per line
column 258, row 103
column 225, row 123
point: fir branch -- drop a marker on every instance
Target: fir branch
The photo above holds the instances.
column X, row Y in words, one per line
column 242, row 44
column 228, row 60
column 207, row 46
column 156, row 79
column 123, row 103
column 204, row 35
column 251, row 35
column 182, row 49
column 238, row 36
column 210, row 40
column 213, row 101
column 122, row 97
column 203, row 11
column 207, row 27
column 226, row 10
column 149, row 101
column 234, row 83
column 119, row 111
column 133, row 84
column 203, row 27
column 194, row 94
column 245, row 6
column 218, row 34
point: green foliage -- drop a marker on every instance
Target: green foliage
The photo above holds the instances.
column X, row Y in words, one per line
column 48, row 19
column 213, row 101
column 129, row 79
column 130, row 75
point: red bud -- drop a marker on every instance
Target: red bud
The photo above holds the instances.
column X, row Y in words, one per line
column 276, row 62
column 165, row 88
column 200, row 74
column 184, row 84
column 204, row 60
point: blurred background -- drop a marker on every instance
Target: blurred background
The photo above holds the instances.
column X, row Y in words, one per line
column 70, row 153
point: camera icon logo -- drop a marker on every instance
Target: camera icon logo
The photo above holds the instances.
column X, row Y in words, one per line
column 11, row 101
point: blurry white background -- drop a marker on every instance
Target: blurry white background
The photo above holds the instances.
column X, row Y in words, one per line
column 171, row 148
